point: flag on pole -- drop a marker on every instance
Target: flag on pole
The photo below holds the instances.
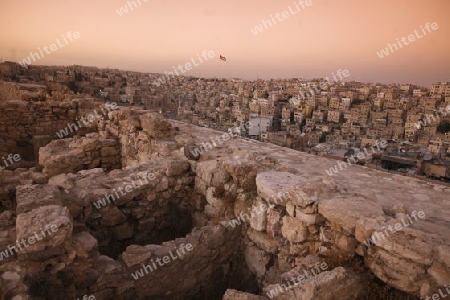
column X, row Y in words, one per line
column 223, row 58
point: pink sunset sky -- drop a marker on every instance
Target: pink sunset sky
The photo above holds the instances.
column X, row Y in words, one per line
column 314, row 42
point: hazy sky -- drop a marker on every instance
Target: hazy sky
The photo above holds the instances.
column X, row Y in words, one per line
column 311, row 42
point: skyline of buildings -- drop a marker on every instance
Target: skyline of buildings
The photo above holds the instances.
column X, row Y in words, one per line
column 330, row 118
column 316, row 40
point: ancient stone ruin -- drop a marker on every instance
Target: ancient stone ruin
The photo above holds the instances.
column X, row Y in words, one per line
column 126, row 209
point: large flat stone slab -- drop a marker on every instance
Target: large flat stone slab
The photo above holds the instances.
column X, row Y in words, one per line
column 274, row 186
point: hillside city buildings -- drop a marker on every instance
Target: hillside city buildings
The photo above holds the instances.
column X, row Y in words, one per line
column 334, row 119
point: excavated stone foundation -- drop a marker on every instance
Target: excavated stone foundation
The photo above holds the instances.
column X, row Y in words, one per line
column 136, row 218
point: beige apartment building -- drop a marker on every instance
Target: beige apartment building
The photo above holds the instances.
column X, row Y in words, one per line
column 430, row 129
column 378, row 103
column 436, row 146
column 442, row 88
column 322, row 100
column 413, row 116
column 398, row 132
column 318, row 116
column 254, row 107
column 334, row 103
column 334, row 116
column 268, row 111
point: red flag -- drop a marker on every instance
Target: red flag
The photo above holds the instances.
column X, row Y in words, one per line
column 223, row 58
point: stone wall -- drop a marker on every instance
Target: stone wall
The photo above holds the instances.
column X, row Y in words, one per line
column 27, row 125
column 72, row 155
column 160, row 213
column 256, row 215
column 142, row 135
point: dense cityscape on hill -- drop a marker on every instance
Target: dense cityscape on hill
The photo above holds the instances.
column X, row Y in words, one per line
column 338, row 119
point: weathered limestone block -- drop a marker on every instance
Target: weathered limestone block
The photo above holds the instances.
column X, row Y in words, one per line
column 212, row 173
column 112, row 216
column 105, row 142
column 309, row 219
column 440, row 274
column 215, row 202
column 299, row 198
column 346, row 243
column 274, row 186
column 231, row 294
column 34, row 177
column 163, row 147
column 211, row 211
column 309, row 191
column 258, row 218
column 191, row 152
column 242, row 205
column 262, row 240
column 299, row 249
column 393, row 270
column 176, row 167
column 443, row 255
column 135, row 255
column 336, row 210
column 294, row 230
column 305, row 263
column 365, row 228
column 200, row 186
column 257, row 260
column 46, row 229
column 274, row 217
column 284, row 259
column 242, row 172
column 87, row 144
column 58, row 158
column 84, row 243
column 162, row 184
column 290, row 209
column 212, row 237
column 155, row 126
column 6, row 219
column 408, row 243
column 310, row 209
column 31, row 196
column 327, row 235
